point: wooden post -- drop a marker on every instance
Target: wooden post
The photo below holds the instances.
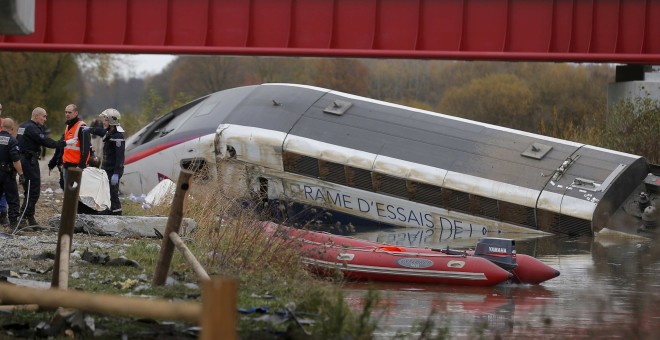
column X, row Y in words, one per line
column 13, row 308
column 219, row 317
column 192, row 261
column 67, row 222
column 173, row 225
column 102, row 303
column 65, row 249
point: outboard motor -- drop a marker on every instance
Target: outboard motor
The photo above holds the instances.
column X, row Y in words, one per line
column 500, row 251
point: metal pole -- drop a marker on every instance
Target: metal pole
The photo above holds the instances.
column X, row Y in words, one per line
column 173, row 225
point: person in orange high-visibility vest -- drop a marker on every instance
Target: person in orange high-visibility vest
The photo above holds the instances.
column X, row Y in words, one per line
column 77, row 139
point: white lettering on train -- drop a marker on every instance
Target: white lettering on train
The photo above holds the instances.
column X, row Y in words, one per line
column 382, row 210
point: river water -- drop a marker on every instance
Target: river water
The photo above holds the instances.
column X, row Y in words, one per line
column 609, row 287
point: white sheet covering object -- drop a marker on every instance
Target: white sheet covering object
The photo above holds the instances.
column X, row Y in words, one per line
column 161, row 193
column 95, row 189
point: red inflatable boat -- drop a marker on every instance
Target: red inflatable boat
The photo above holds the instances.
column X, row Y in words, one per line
column 493, row 262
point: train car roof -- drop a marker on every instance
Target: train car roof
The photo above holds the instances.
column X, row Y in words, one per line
column 428, row 138
column 418, row 136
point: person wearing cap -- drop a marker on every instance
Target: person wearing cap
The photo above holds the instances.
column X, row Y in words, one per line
column 76, row 150
column 114, row 146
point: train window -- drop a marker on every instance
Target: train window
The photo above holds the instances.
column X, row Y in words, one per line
column 390, row 185
column 548, row 221
column 332, row 172
column 574, row 226
column 556, row 223
column 484, row 206
column 231, row 152
column 359, row 178
column 517, row 214
column 425, row 193
column 206, row 106
column 299, row 164
column 199, row 167
column 168, row 122
column 456, row 200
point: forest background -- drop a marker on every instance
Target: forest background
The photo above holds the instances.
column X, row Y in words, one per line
column 567, row 101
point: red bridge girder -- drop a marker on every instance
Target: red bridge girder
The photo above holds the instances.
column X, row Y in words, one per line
column 620, row 31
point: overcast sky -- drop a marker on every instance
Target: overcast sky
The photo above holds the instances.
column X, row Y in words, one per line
column 143, row 64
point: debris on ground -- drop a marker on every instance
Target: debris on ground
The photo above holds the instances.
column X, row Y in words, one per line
column 124, row 226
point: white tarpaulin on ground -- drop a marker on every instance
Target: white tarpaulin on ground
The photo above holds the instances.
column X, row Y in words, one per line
column 95, row 189
column 161, row 193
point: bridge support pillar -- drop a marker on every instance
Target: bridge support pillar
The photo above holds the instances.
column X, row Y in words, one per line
column 634, row 81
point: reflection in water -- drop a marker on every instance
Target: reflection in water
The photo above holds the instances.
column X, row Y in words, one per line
column 607, row 288
column 455, row 308
column 436, row 238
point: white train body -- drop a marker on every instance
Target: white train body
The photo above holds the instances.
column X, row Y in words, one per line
column 322, row 156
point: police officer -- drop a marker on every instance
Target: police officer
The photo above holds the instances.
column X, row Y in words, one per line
column 31, row 138
column 113, row 153
column 10, row 165
column 56, row 162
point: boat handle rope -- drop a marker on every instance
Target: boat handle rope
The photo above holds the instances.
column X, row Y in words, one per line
column 379, row 249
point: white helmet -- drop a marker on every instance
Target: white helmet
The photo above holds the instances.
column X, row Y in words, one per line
column 113, row 116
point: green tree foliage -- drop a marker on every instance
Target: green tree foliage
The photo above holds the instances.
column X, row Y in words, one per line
column 567, row 92
column 275, row 70
column 29, row 80
column 574, row 94
column 125, row 95
column 204, row 74
column 100, row 67
column 195, row 76
column 503, row 99
column 633, row 126
column 346, row 75
column 151, row 107
column 405, row 80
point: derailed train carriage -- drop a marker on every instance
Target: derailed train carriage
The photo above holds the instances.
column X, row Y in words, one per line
column 324, row 156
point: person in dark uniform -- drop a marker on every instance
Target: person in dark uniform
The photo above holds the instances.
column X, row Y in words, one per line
column 113, row 153
column 10, row 165
column 31, row 138
column 56, row 162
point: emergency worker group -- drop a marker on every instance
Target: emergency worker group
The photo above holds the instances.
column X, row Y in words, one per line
column 20, row 152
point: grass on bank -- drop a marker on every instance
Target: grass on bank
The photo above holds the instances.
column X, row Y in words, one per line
column 228, row 241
